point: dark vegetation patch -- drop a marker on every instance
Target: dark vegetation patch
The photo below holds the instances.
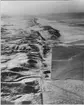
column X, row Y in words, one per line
column 18, row 69
column 32, row 63
column 44, row 65
column 18, row 88
column 34, row 56
column 26, row 102
column 46, row 72
column 9, row 76
column 46, row 49
column 34, row 48
column 6, row 103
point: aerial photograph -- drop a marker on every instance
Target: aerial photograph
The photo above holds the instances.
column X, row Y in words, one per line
column 42, row 52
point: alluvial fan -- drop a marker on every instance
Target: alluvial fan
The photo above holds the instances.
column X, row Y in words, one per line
column 26, row 54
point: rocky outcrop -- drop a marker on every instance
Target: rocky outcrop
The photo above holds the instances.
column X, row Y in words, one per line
column 52, row 31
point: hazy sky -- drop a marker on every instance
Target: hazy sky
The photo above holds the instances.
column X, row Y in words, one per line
column 37, row 7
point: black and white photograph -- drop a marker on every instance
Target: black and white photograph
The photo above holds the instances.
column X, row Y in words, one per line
column 42, row 52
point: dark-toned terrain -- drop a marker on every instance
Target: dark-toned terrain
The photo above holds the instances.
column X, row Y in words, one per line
column 68, row 63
